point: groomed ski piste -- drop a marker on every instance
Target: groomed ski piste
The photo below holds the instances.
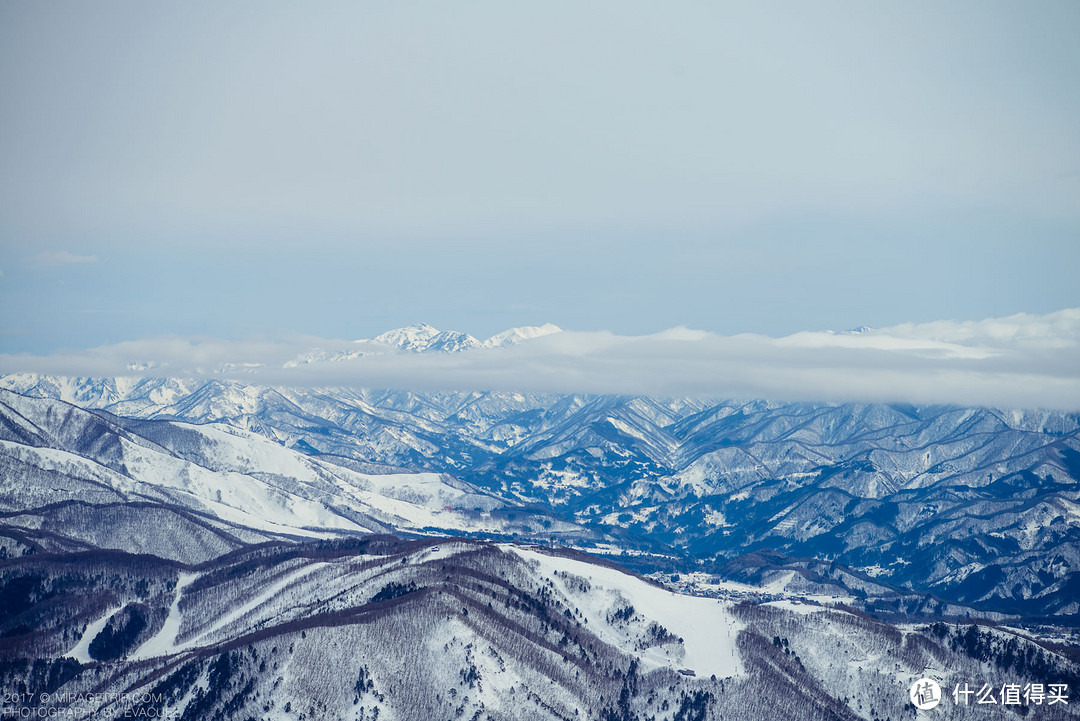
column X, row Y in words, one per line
column 164, row 641
column 81, row 651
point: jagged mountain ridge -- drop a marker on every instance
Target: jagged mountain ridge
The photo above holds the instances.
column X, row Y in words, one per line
column 986, row 499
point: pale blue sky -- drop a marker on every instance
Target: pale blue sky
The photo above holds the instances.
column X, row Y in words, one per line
column 337, row 169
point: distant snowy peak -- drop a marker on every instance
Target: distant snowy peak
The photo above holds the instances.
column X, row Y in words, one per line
column 411, row 337
column 421, row 337
column 514, row 336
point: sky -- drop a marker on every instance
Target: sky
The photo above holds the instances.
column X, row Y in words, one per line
column 258, row 171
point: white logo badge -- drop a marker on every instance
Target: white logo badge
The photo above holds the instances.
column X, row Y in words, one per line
column 925, row 694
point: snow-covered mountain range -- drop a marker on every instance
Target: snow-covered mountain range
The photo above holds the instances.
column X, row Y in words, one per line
column 207, row 548
column 986, row 499
column 380, row 628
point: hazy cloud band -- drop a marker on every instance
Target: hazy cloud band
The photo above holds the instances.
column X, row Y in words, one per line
column 1022, row 361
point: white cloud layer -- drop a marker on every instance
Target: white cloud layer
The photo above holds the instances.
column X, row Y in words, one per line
column 1020, row 361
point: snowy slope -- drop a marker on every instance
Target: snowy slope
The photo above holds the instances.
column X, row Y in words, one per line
column 706, row 626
